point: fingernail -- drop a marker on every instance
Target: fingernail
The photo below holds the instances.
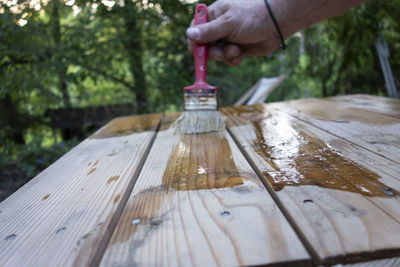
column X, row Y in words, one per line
column 193, row 33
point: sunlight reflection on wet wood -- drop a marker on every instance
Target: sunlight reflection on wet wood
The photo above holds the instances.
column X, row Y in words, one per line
column 202, row 161
column 288, row 184
column 369, row 130
column 195, row 200
column 317, row 183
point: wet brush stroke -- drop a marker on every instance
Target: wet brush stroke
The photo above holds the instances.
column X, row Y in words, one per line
column 201, row 161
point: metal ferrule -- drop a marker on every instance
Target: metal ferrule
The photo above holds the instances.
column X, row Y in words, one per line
column 201, row 99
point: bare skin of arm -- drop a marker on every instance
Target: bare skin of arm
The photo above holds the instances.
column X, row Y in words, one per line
column 239, row 28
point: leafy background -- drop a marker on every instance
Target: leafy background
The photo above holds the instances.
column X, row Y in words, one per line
column 69, row 57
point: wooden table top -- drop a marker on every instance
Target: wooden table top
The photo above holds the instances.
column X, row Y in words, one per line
column 305, row 182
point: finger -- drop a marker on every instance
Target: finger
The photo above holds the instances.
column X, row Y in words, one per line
column 231, row 51
column 235, row 61
column 217, row 9
column 211, row 31
column 216, row 53
column 259, row 49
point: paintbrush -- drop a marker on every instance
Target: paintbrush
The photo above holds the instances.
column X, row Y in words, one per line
column 200, row 99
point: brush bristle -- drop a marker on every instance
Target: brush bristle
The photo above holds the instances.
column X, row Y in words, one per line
column 199, row 121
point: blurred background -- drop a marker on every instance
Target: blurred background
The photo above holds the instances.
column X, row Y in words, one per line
column 68, row 67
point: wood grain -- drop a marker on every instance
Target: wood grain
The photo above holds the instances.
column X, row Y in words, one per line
column 197, row 202
column 391, row 262
column 331, row 168
column 61, row 217
column 381, row 105
column 375, row 132
column 332, row 191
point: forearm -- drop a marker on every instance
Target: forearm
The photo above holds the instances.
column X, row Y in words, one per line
column 295, row 15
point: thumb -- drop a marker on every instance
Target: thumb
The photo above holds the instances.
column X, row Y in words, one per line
column 211, row 31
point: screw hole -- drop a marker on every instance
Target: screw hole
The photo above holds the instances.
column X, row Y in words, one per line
column 225, row 213
column 388, row 192
column 11, row 237
column 308, row 201
column 62, row 229
column 135, row 221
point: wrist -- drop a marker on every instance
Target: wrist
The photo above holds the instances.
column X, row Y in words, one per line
column 276, row 24
column 282, row 12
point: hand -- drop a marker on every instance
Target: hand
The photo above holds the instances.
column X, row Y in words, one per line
column 237, row 28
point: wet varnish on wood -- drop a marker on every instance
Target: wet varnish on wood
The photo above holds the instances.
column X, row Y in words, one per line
column 336, row 193
column 305, row 182
column 202, row 161
column 197, row 202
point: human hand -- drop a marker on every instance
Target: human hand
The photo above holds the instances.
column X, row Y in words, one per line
column 237, row 28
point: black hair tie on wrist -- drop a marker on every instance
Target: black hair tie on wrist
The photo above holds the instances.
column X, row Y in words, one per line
column 283, row 46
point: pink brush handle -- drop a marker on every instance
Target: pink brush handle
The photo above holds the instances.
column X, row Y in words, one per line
column 200, row 54
column 200, row 50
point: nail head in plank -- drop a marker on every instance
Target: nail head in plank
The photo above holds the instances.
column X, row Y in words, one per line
column 60, row 217
column 200, row 203
column 334, row 222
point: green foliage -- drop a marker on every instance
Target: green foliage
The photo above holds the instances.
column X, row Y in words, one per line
column 34, row 157
column 340, row 55
column 19, row 163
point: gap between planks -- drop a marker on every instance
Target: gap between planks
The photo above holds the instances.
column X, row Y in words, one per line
column 314, row 255
column 338, row 136
column 361, row 147
column 120, row 248
column 82, row 202
column 124, row 199
column 106, row 238
column 316, row 258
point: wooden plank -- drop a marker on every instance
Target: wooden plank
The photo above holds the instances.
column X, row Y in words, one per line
column 382, row 105
column 377, row 133
column 344, row 209
column 392, row 262
column 197, row 202
column 61, row 217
